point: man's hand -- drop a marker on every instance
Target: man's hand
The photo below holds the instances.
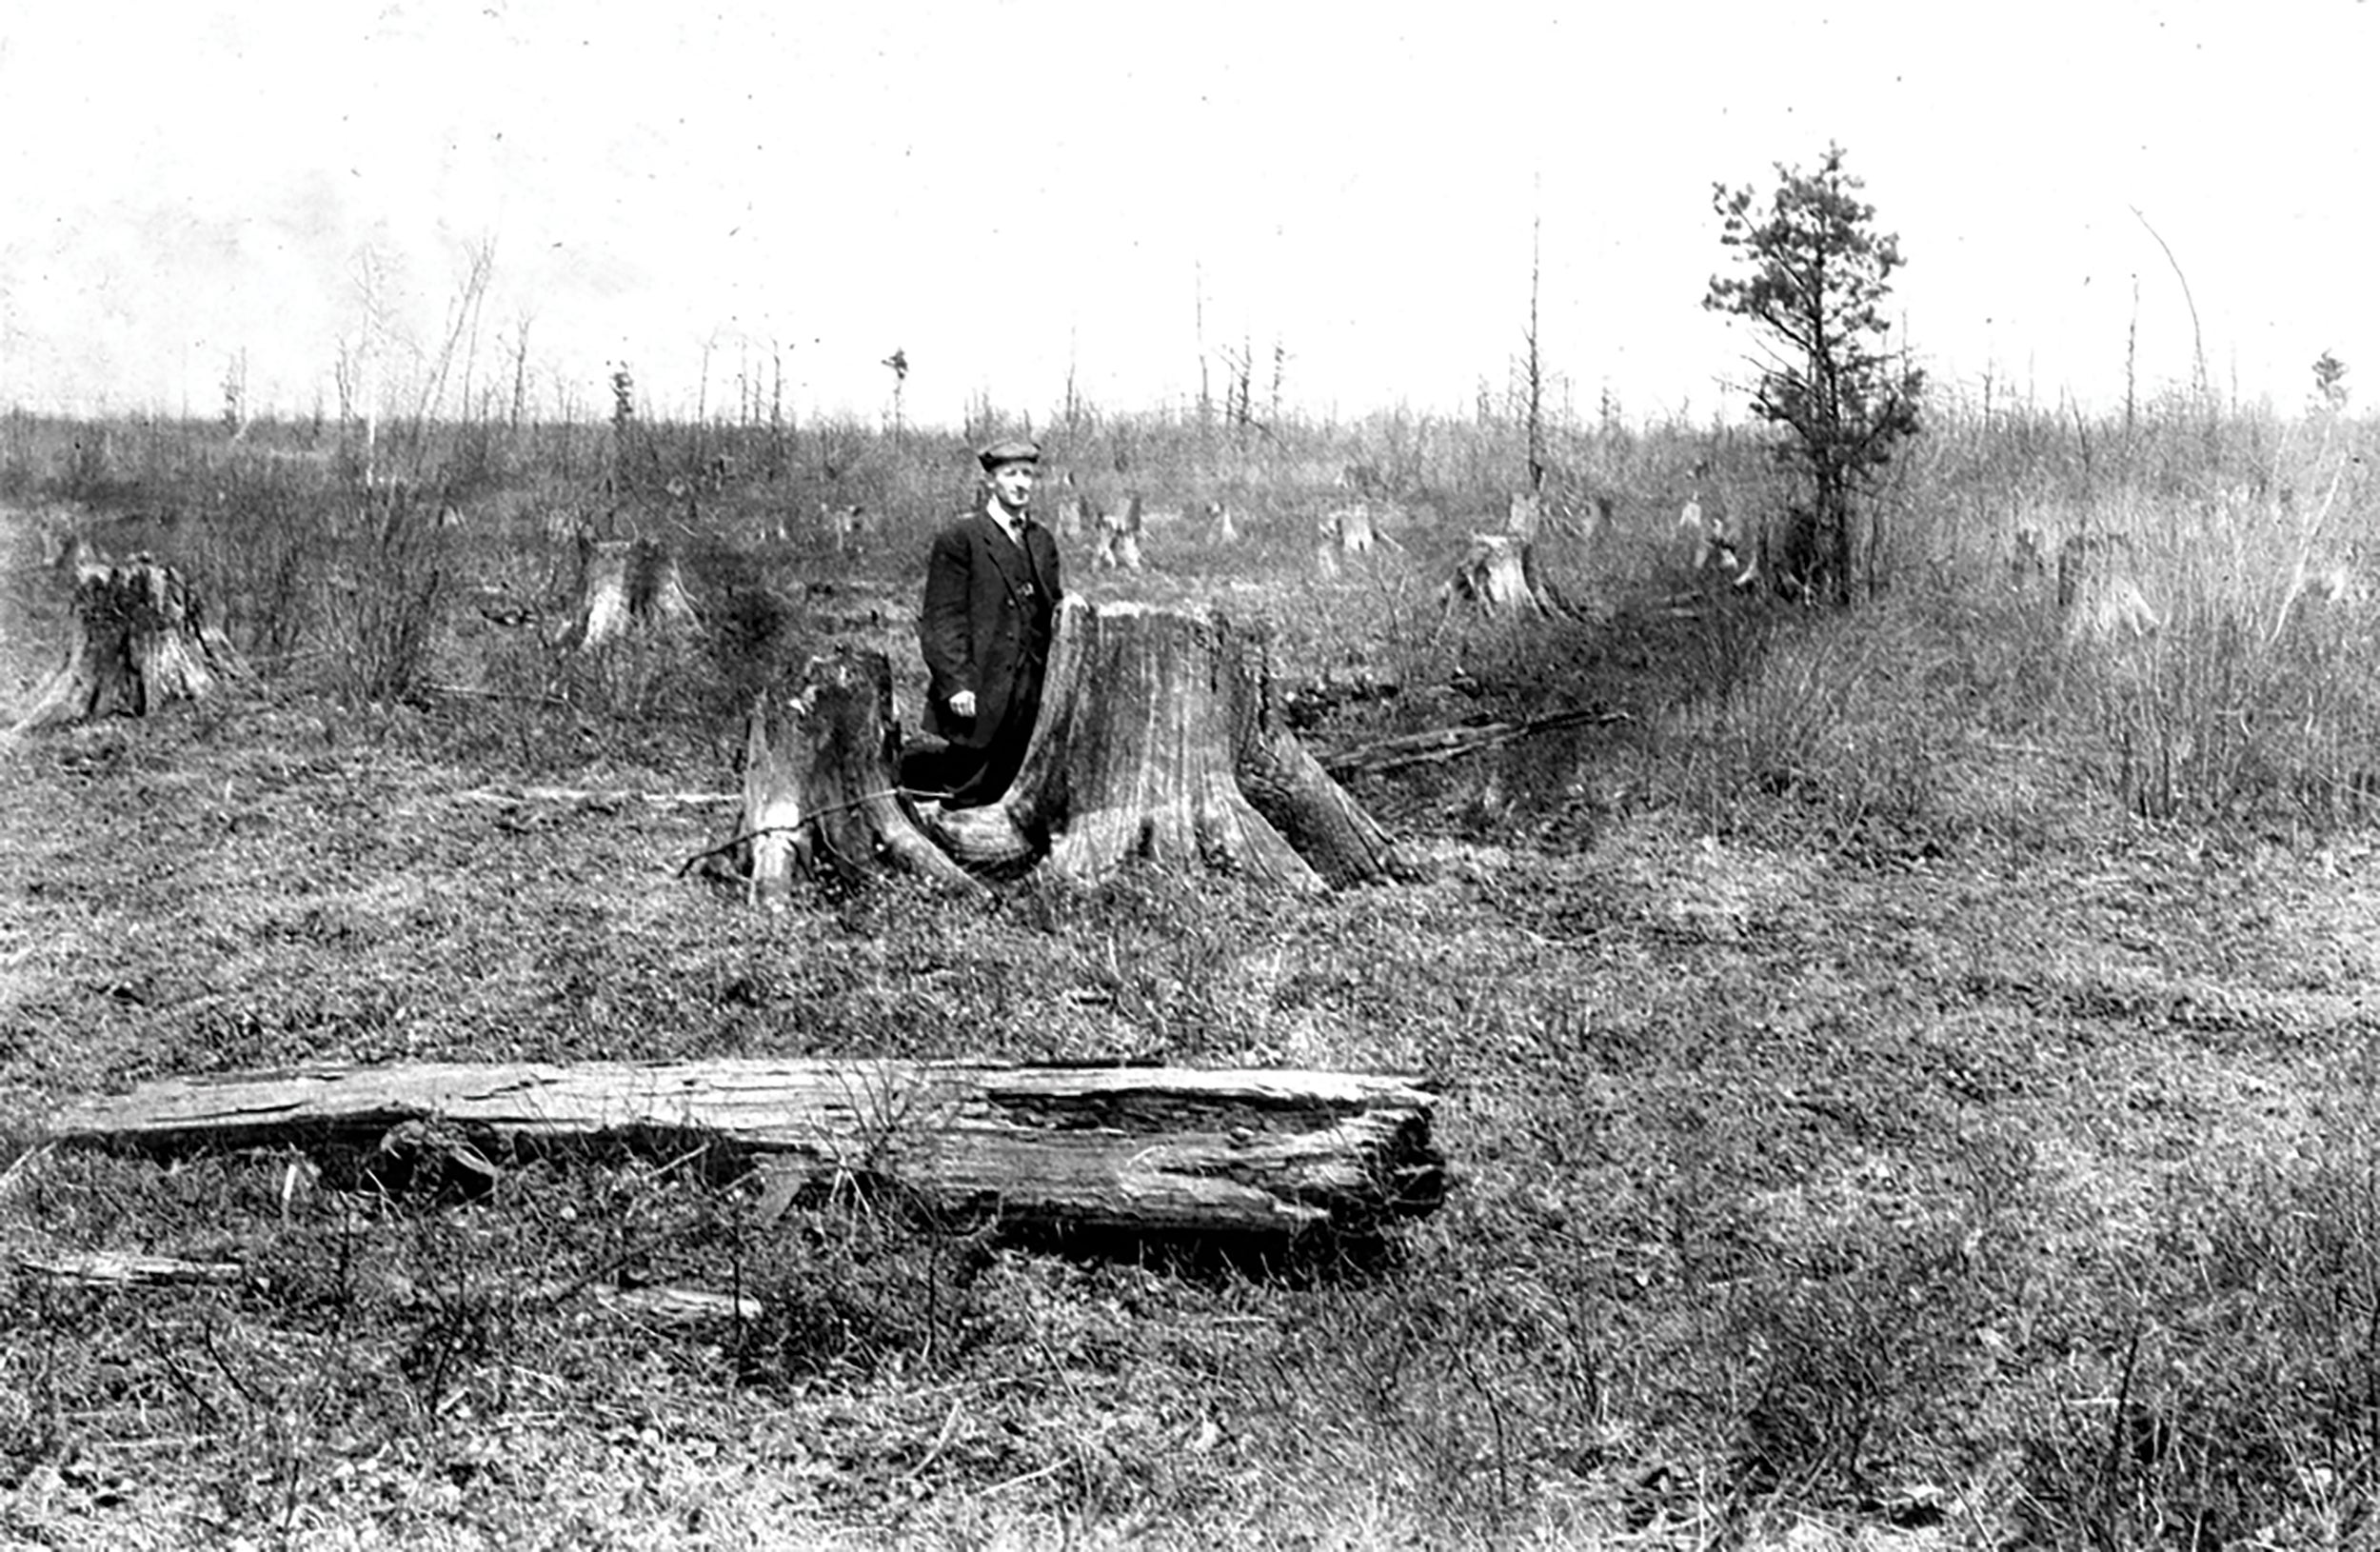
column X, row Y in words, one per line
column 963, row 704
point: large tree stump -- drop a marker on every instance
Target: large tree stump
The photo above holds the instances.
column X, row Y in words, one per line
column 1159, row 738
column 142, row 640
column 1143, row 1152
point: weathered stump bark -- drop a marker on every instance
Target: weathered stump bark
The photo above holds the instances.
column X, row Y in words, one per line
column 821, row 788
column 142, row 640
column 2097, row 589
column 1499, row 574
column 1159, row 738
column 1353, row 530
column 1141, row 1151
column 1119, row 545
column 624, row 586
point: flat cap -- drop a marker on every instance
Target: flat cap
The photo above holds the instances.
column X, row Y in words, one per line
column 1009, row 451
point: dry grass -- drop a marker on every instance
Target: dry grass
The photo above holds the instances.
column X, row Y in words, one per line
column 1876, row 1123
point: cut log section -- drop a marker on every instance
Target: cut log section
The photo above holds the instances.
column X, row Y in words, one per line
column 1143, row 1152
column 628, row 585
column 142, row 640
column 1159, row 738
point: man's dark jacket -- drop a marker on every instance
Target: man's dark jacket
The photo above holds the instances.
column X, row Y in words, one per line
column 985, row 625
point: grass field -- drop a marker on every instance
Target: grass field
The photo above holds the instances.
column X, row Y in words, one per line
column 1910, row 1076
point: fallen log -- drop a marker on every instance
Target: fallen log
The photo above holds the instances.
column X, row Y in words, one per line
column 1141, row 1152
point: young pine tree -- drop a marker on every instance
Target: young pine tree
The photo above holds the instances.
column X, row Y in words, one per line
column 1813, row 273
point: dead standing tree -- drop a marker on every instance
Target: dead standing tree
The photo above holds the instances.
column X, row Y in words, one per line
column 1159, row 738
column 140, row 640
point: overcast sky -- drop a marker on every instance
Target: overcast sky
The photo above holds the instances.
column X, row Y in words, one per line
column 1009, row 192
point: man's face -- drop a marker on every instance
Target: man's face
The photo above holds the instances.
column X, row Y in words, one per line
column 1012, row 485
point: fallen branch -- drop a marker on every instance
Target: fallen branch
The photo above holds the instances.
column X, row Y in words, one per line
column 1438, row 744
column 614, row 797
column 129, row 1269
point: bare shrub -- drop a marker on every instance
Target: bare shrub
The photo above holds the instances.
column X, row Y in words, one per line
column 867, row 1287
column 385, row 602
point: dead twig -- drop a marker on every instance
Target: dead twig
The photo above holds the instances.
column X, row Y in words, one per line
column 1437, row 745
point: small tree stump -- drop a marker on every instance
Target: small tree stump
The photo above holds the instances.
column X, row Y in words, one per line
column 624, row 586
column 1119, row 546
column 142, row 640
column 1159, row 738
column 819, row 788
column 1499, row 574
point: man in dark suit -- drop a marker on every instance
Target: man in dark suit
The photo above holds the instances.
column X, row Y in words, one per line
column 991, row 603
